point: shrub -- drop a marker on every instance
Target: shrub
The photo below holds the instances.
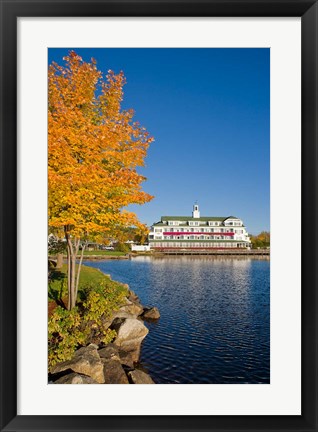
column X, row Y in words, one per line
column 64, row 334
column 86, row 323
column 122, row 247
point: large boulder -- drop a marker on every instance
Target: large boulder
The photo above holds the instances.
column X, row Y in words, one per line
column 74, row 378
column 86, row 361
column 112, row 352
column 139, row 377
column 123, row 315
column 114, row 372
column 151, row 313
column 130, row 353
column 109, row 352
column 130, row 334
column 132, row 307
column 128, row 330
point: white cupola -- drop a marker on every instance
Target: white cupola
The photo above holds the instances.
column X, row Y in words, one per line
column 196, row 211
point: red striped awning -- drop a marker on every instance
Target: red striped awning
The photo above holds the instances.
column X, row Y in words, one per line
column 199, row 233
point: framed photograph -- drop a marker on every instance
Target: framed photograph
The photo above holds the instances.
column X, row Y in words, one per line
column 215, row 104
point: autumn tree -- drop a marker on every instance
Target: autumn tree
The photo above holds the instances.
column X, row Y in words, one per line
column 261, row 240
column 94, row 148
column 135, row 234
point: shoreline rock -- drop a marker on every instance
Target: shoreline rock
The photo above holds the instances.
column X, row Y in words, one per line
column 151, row 313
column 116, row 362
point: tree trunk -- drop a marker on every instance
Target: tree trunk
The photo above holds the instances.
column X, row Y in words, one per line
column 69, row 276
column 69, row 269
column 72, row 277
column 59, row 262
column 79, row 270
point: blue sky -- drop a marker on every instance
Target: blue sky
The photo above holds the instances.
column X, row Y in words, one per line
column 209, row 112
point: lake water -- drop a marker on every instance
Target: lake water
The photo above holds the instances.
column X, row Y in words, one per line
column 215, row 317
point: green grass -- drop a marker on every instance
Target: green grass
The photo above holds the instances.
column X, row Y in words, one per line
column 57, row 287
column 99, row 253
column 104, row 252
column 98, row 298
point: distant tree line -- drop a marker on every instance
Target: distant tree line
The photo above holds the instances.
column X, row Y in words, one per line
column 261, row 240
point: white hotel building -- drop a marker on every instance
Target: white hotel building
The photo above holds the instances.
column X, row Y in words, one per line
column 196, row 232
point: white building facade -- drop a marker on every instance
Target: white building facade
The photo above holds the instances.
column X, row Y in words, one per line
column 140, row 248
column 198, row 233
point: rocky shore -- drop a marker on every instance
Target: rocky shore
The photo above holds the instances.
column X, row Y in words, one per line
column 116, row 362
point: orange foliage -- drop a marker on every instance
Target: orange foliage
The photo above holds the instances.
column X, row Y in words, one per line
column 94, row 149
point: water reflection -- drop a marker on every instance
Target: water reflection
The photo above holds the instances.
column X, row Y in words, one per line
column 214, row 325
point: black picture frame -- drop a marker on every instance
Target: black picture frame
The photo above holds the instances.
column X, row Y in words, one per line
column 10, row 11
